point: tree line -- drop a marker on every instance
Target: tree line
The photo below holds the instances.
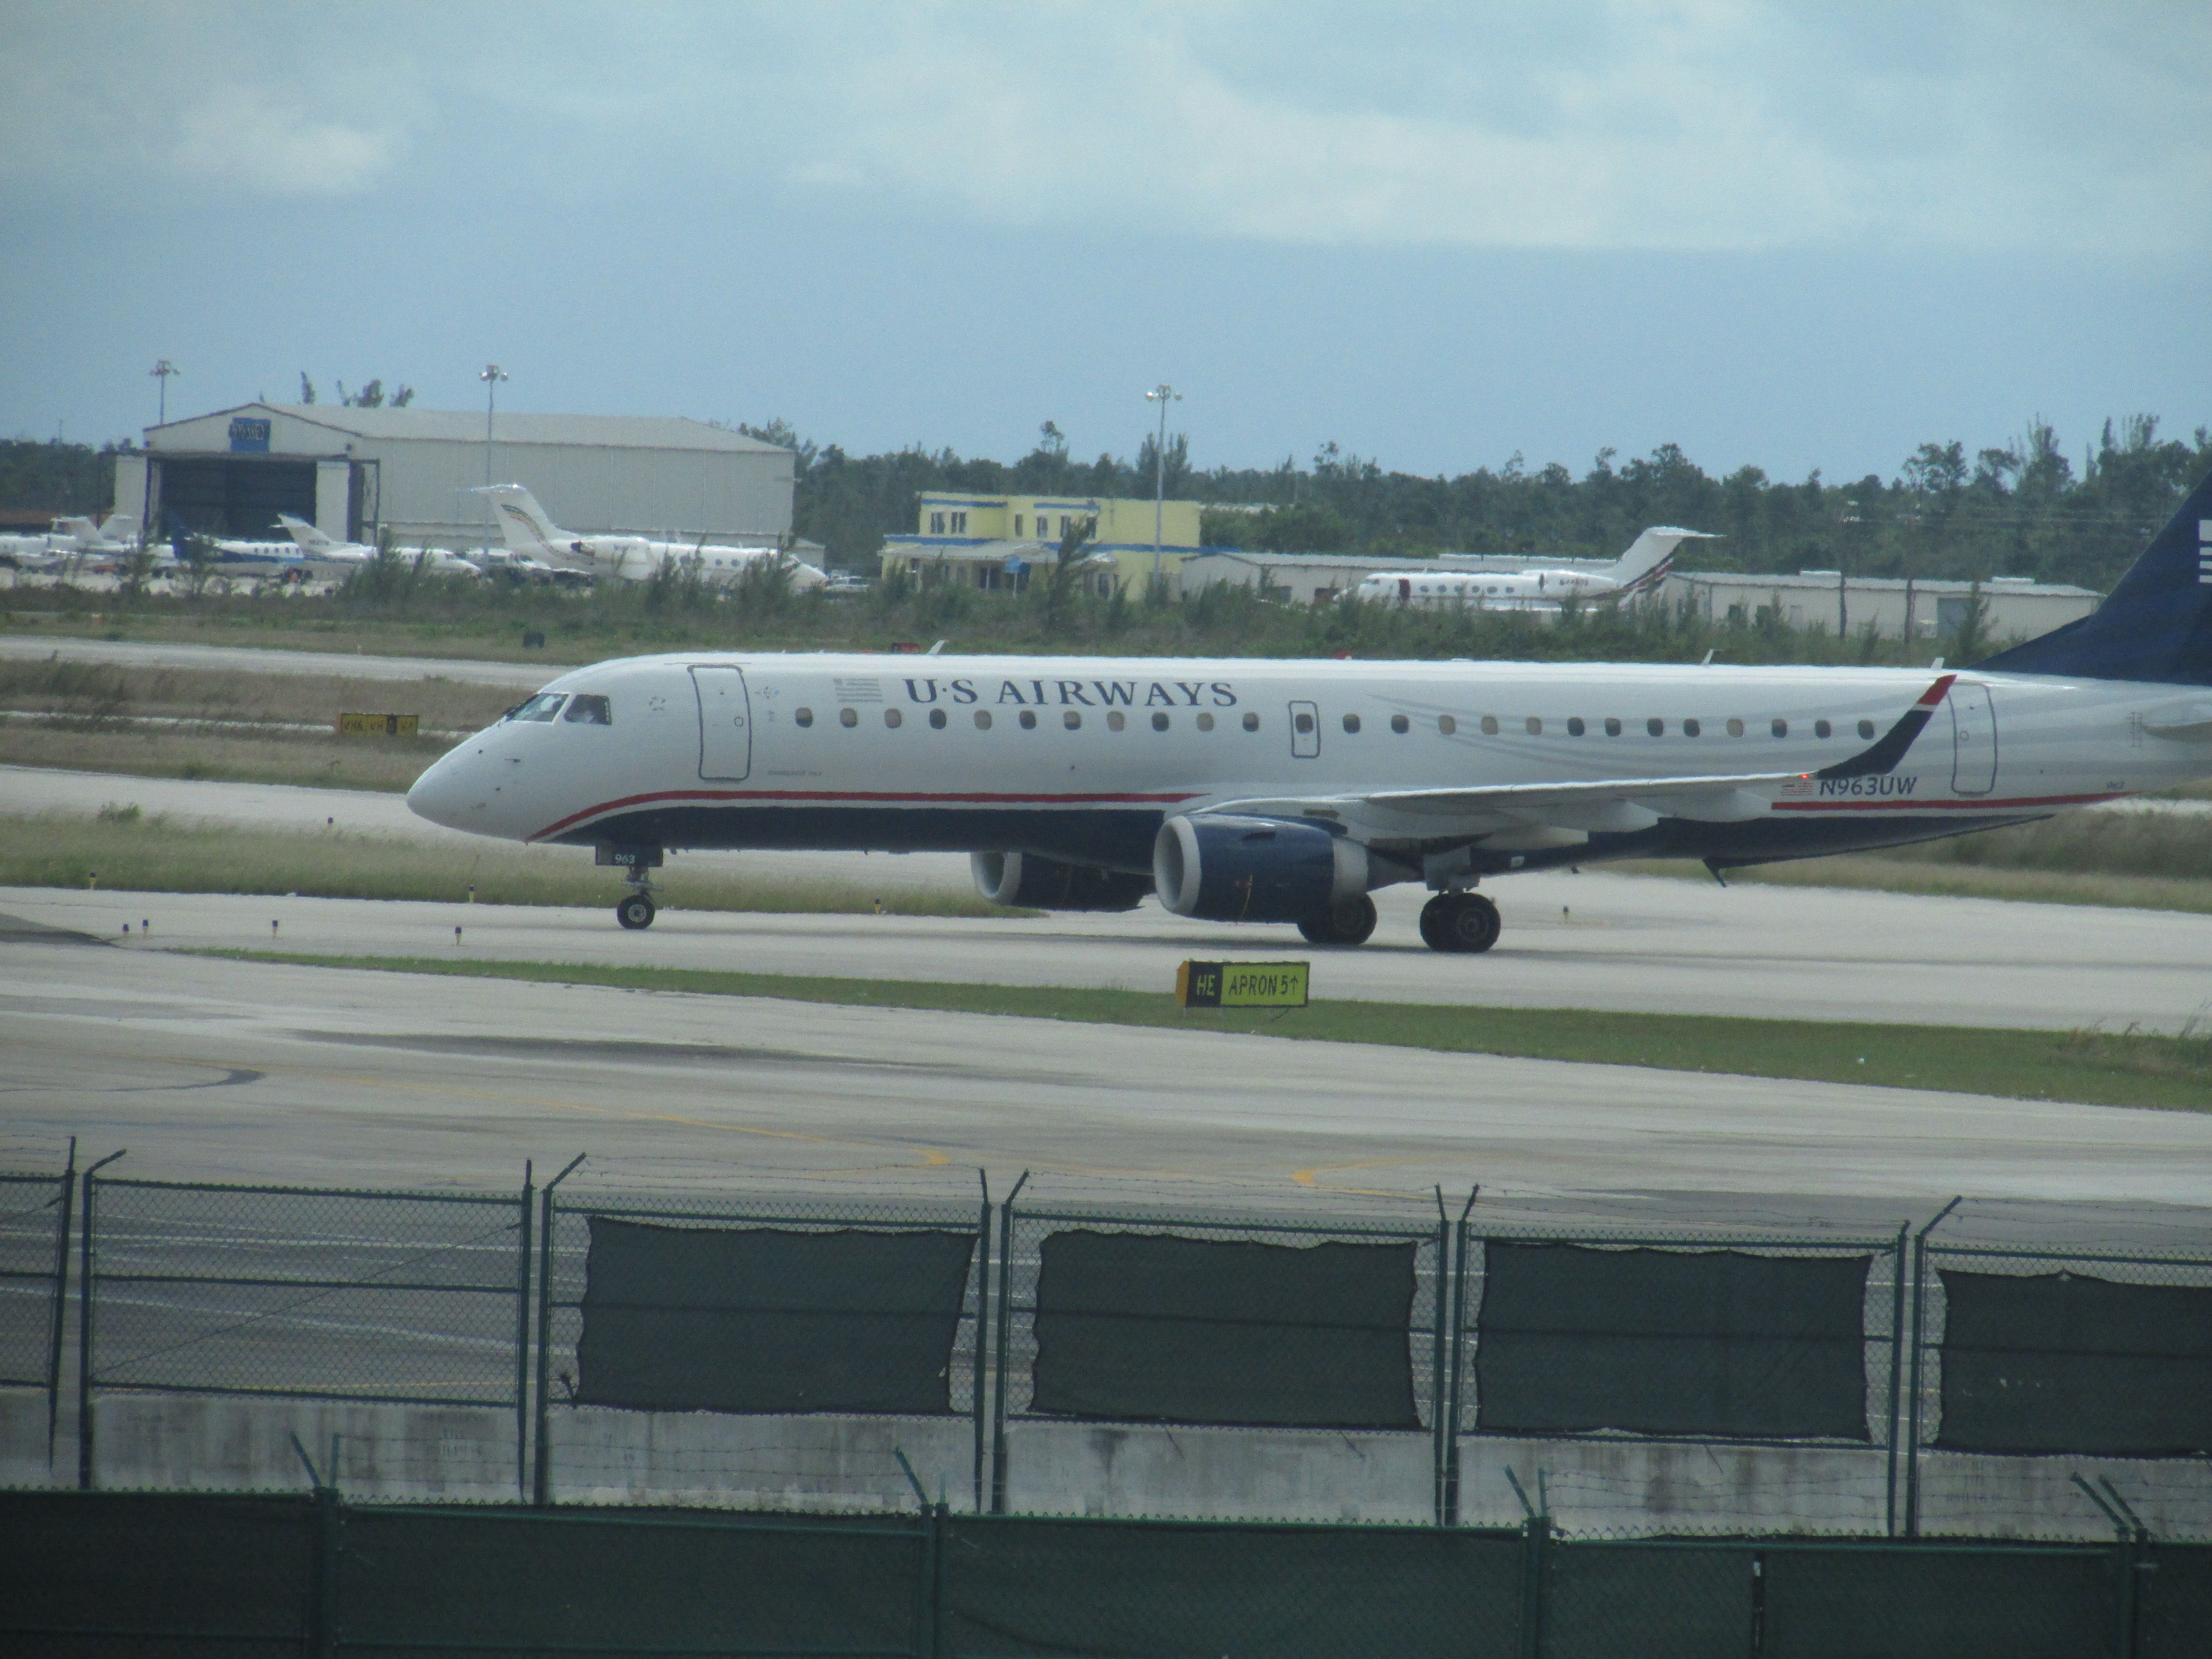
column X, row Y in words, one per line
column 2021, row 508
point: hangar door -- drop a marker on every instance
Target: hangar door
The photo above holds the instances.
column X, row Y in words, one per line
column 725, row 723
column 235, row 494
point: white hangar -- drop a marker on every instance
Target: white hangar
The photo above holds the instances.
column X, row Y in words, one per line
column 358, row 472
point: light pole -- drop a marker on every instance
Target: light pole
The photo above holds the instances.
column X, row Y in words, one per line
column 492, row 375
column 1162, row 394
column 161, row 370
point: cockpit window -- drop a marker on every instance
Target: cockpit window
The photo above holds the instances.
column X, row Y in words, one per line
column 589, row 711
column 542, row 706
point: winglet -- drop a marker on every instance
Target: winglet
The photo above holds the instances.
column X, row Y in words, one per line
column 1890, row 749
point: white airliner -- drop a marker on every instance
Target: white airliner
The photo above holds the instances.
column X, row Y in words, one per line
column 528, row 531
column 1639, row 570
column 1246, row 790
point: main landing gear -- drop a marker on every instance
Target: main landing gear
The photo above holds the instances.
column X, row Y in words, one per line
column 1459, row 922
column 1347, row 921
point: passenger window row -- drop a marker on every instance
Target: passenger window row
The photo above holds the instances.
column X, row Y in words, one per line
column 1026, row 718
column 1072, row 718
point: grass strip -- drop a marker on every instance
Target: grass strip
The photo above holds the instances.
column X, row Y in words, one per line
column 123, row 848
column 1878, row 873
column 2091, row 1067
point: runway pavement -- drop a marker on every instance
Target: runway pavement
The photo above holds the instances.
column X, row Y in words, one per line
column 247, row 659
column 239, row 1071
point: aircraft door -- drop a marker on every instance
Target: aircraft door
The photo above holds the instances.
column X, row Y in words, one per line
column 1305, row 732
column 1974, row 740
column 725, row 723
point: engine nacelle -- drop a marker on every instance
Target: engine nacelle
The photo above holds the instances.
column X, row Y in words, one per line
column 1239, row 869
column 1042, row 884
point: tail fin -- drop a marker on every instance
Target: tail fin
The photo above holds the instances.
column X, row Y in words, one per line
column 118, row 527
column 310, row 538
column 79, row 531
column 2156, row 626
column 1649, row 557
column 523, row 523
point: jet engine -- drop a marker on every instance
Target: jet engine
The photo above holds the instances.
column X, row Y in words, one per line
column 1238, row 869
column 1043, row 884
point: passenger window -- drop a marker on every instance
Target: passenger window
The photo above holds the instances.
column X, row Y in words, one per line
column 1251, row 722
column 848, row 717
column 1027, row 719
column 1821, row 729
column 1866, row 728
column 892, row 717
column 1656, row 728
column 1535, row 725
column 1115, row 722
column 1401, row 725
column 1304, row 723
column 937, row 720
column 1159, row 720
column 589, row 711
column 1574, row 727
column 803, row 716
column 1490, row 726
column 1780, row 728
column 1691, row 728
column 542, row 706
column 1447, row 725
column 1352, row 722
column 1071, row 720
column 1206, row 722
column 982, row 720
column 1736, row 728
column 1612, row 728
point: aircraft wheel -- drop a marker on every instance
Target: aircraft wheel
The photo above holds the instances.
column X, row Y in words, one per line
column 1460, row 922
column 1348, row 921
column 635, row 911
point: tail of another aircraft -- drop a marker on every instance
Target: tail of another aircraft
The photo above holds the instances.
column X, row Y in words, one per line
column 1649, row 557
column 310, row 539
column 524, row 526
column 2155, row 626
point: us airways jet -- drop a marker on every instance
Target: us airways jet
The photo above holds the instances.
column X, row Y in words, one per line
column 1287, row 792
column 1639, row 570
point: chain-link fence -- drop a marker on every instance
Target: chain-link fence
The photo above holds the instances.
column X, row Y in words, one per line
column 1192, row 1316
column 322, row 1576
column 34, row 1239
column 775, row 1349
column 1665, row 1379
column 2073, row 1375
column 192, row 1292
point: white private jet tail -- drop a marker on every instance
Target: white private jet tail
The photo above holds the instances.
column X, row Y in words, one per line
column 310, row 538
column 1648, row 559
column 526, row 530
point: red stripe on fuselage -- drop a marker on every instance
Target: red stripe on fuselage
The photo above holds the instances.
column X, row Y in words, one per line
column 965, row 799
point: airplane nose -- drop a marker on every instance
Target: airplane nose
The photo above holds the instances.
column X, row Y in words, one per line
column 442, row 794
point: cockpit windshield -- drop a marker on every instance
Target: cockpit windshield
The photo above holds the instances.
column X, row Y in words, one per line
column 589, row 711
column 542, row 706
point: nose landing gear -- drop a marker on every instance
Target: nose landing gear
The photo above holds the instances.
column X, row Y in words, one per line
column 1460, row 921
column 637, row 865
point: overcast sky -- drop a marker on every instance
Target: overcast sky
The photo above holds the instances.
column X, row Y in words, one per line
column 1436, row 234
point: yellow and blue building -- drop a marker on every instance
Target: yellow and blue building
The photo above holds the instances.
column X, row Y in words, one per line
column 995, row 541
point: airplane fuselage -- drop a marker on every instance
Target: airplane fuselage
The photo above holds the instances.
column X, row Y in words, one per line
column 1082, row 758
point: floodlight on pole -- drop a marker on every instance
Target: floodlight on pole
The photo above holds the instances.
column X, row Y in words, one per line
column 161, row 370
column 492, row 375
column 1162, row 394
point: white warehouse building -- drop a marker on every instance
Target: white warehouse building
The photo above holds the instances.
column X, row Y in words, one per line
column 356, row 473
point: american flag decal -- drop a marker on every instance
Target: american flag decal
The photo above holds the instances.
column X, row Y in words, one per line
column 2204, row 550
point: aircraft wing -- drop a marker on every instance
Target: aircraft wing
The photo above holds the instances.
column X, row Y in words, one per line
column 1604, row 805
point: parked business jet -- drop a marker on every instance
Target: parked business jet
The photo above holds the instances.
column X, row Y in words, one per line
column 1244, row 790
column 1639, row 570
column 529, row 531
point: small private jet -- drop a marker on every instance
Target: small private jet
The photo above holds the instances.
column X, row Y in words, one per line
column 1542, row 590
column 1249, row 790
column 529, row 532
